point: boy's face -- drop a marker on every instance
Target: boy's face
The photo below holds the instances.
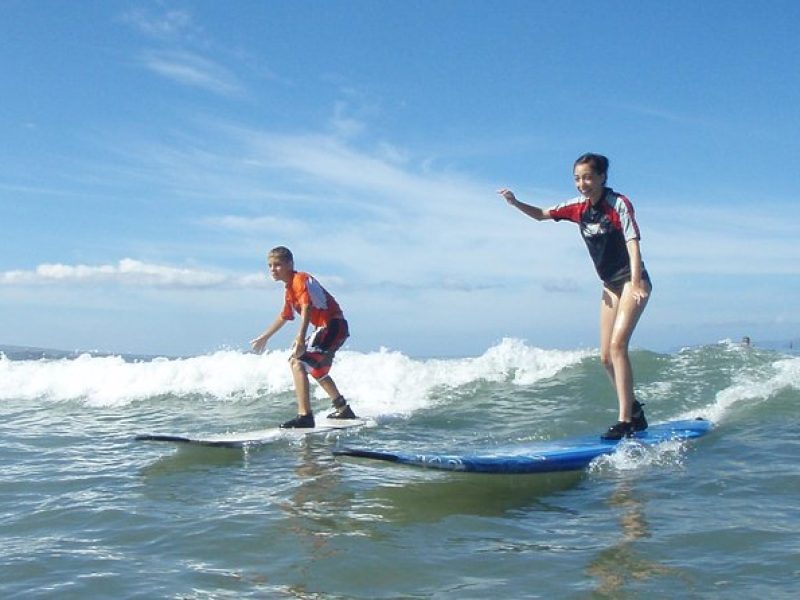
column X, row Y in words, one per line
column 280, row 270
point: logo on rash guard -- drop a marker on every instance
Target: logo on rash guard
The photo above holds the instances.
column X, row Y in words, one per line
column 590, row 230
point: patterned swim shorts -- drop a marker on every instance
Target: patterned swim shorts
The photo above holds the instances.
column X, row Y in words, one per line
column 318, row 358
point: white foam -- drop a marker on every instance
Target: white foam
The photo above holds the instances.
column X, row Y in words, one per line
column 631, row 456
column 380, row 383
column 110, row 380
column 392, row 383
column 752, row 387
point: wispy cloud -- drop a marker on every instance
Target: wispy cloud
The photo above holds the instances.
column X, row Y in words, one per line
column 378, row 217
column 180, row 46
column 669, row 116
column 190, row 69
column 561, row 286
column 389, row 219
column 658, row 113
column 344, row 123
column 704, row 240
column 35, row 190
column 268, row 225
column 381, row 214
column 168, row 25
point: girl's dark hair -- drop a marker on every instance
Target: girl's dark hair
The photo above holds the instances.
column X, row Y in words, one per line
column 598, row 162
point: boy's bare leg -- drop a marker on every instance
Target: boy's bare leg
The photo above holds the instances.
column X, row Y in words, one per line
column 301, row 387
column 327, row 384
column 341, row 409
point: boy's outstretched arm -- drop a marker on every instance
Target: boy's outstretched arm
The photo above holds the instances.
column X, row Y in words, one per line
column 260, row 342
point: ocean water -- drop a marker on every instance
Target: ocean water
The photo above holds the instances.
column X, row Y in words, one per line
column 87, row 512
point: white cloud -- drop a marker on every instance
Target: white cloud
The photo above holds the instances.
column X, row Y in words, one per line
column 128, row 272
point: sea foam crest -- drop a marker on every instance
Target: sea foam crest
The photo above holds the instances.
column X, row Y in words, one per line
column 631, row 455
column 111, row 380
column 753, row 387
column 392, row 383
column 380, row 383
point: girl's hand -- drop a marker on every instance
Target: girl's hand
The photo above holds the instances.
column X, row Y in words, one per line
column 508, row 195
column 299, row 347
column 640, row 293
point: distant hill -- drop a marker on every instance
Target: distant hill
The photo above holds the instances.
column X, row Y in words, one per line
column 32, row 353
column 29, row 353
column 792, row 345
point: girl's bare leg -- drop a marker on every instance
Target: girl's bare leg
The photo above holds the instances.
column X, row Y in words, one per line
column 608, row 314
column 618, row 318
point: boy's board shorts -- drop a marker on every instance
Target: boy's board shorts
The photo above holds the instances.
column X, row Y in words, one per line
column 318, row 357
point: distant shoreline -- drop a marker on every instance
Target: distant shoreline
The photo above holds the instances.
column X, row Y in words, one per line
column 35, row 353
column 14, row 352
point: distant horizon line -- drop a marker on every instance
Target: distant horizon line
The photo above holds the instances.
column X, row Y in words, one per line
column 9, row 350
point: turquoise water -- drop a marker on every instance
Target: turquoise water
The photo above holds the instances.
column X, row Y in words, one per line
column 85, row 511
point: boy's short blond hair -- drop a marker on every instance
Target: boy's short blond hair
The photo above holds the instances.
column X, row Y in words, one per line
column 282, row 253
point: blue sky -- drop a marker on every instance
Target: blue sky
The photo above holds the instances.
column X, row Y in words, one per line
column 154, row 151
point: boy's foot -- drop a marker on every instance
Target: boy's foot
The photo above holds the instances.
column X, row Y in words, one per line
column 300, row 422
column 343, row 413
column 638, row 420
column 618, row 431
column 341, row 408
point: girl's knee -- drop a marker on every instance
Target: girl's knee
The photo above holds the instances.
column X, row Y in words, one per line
column 617, row 349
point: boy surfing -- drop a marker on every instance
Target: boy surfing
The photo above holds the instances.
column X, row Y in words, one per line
column 306, row 297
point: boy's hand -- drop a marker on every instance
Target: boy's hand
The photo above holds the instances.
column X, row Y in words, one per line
column 299, row 347
column 258, row 344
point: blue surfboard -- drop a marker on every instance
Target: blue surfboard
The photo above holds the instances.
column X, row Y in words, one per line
column 570, row 454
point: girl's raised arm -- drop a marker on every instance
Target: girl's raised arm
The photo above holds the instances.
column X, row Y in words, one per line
column 532, row 211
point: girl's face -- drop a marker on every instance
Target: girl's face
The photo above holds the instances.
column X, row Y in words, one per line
column 589, row 183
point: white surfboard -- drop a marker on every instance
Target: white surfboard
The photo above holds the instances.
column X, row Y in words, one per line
column 254, row 438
